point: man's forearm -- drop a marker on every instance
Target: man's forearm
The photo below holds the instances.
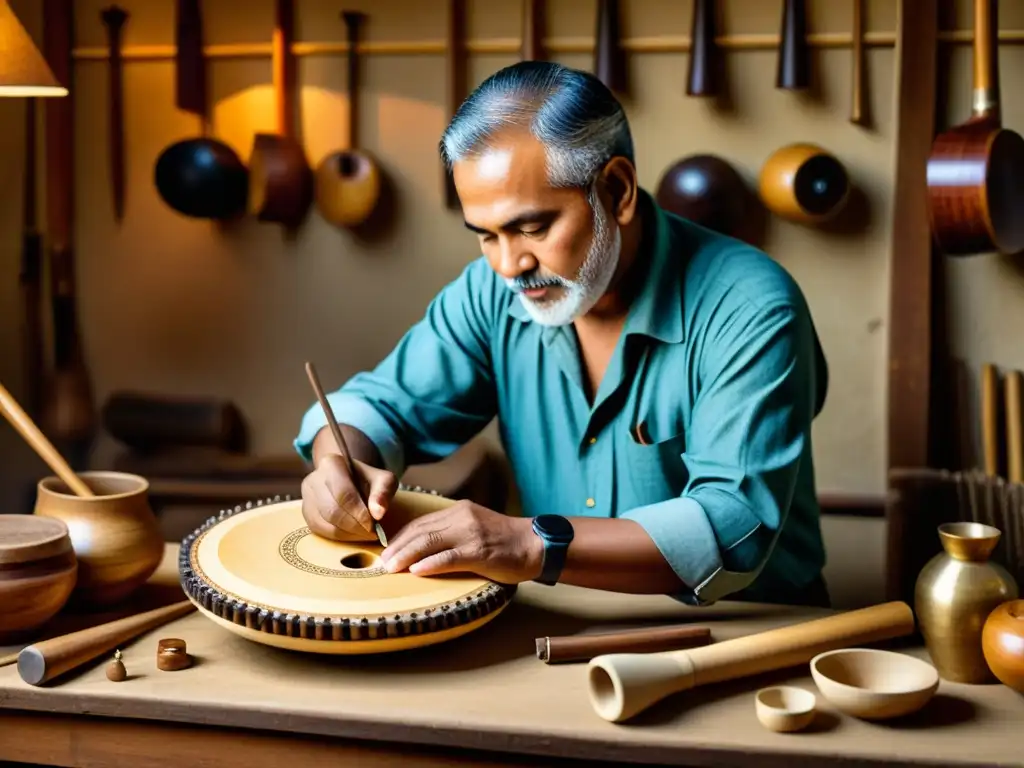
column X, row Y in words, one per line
column 362, row 448
column 617, row 555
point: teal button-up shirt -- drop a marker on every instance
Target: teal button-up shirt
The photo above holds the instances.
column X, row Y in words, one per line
column 700, row 430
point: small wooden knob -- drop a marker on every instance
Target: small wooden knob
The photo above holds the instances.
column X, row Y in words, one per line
column 171, row 655
column 115, row 669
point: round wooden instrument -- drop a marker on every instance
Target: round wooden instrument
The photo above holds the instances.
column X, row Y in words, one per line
column 348, row 181
column 804, row 183
column 258, row 571
column 707, row 190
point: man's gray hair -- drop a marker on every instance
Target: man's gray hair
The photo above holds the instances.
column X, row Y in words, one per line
column 573, row 114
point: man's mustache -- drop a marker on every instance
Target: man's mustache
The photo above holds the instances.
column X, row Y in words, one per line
column 532, row 282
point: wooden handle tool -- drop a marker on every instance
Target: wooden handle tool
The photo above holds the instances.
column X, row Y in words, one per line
column 990, row 418
column 857, row 65
column 41, row 662
column 339, row 438
column 40, row 444
column 114, row 19
column 622, row 685
column 1014, row 445
column 552, row 650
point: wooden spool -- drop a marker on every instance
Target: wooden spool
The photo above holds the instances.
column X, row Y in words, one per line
column 258, row 571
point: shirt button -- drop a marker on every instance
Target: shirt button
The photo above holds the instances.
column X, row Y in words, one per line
column 591, row 502
column 593, row 440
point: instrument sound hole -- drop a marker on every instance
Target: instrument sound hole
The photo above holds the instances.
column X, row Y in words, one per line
column 820, row 184
column 358, row 560
column 348, row 165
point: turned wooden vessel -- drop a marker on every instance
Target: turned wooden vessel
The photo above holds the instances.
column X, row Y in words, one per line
column 115, row 534
column 38, row 569
column 976, row 169
column 258, row 571
column 804, row 183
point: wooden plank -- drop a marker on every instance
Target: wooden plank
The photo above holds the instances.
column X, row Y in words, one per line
column 910, row 291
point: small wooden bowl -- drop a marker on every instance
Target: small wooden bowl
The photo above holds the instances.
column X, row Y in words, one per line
column 873, row 684
column 38, row 571
column 1002, row 643
column 785, row 708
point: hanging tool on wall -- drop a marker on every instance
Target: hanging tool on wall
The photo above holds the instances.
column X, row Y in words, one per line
column 793, row 69
column 455, row 63
column 67, row 415
column 114, row 19
column 30, row 277
column 532, row 48
column 609, row 58
column 702, row 72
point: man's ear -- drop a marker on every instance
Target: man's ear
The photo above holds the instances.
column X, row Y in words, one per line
column 619, row 181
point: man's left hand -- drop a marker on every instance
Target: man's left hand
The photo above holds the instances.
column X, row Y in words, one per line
column 466, row 537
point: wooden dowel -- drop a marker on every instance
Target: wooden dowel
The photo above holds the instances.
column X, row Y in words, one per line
column 660, row 44
column 554, row 650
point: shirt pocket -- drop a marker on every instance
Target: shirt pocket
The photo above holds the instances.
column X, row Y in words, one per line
column 653, row 460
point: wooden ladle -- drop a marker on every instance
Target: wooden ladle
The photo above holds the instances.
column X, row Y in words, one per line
column 40, row 444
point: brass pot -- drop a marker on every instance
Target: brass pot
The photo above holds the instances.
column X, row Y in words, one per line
column 954, row 594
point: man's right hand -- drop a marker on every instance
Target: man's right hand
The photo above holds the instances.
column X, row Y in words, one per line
column 331, row 502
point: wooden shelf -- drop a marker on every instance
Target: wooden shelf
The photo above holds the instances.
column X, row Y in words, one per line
column 511, row 45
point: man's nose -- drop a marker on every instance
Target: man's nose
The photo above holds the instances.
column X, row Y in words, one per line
column 512, row 259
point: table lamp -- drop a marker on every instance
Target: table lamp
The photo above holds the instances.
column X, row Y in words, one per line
column 23, row 70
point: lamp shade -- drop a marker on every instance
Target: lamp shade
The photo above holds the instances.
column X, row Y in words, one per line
column 23, row 70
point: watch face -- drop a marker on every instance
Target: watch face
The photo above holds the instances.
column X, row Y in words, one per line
column 553, row 527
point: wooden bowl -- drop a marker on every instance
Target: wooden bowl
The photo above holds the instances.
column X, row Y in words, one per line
column 873, row 684
column 1002, row 643
column 785, row 708
column 38, row 570
column 115, row 534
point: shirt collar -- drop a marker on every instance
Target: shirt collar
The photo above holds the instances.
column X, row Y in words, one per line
column 657, row 309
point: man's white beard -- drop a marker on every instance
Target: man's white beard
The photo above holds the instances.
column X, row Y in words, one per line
column 595, row 274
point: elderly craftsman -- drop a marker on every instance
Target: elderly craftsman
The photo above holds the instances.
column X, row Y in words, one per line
column 654, row 382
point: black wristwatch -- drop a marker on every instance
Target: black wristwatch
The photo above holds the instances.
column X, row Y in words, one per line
column 556, row 532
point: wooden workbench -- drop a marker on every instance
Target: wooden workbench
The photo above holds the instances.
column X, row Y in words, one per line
column 480, row 700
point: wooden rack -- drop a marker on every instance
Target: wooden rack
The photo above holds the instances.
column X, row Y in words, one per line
column 512, row 45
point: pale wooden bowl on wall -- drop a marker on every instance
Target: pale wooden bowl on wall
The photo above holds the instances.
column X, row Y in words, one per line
column 874, row 684
column 38, row 571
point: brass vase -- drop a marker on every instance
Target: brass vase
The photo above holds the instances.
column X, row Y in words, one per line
column 954, row 594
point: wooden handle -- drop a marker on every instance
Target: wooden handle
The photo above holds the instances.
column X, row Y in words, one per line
column 114, row 19
column 793, row 63
column 40, row 444
column 622, row 685
column 609, row 58
column 189, row 62
column 533, row 31
column 1014, row 446
column 553, row 650
column 701, row 80
column 41, row 662
column 984, row 45
column 353, row 20
column 857, row 65
column 990, row 418
column 283, row 65
column 455, row 63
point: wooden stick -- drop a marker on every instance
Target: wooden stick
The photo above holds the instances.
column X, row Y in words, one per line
column 41, row 662
column 40, row 444
column 1014, row 446
column 622, row 685
column 339, row 438
column 857, row 65
column 552, row 650
column 990, row 418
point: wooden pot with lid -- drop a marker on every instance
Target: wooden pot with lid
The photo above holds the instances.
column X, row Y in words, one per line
column 38, row 571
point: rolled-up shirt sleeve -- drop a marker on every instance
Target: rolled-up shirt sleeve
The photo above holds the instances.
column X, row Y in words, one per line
column 746, row 439
column 433, row 391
